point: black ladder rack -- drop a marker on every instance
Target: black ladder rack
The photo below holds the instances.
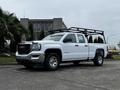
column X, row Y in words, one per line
column 59, row 30
column 85, row 31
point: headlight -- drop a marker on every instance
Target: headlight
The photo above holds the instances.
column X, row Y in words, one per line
column 36, row 47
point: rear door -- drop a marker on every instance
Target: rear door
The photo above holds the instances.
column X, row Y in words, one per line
column 82, row 47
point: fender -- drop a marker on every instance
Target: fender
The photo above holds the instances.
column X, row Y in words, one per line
column 100, row 51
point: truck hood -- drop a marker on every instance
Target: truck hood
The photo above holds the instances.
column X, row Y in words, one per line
column 45, row 41
column 40, row 41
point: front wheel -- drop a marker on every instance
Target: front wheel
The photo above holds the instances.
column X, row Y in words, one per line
column 52, row 61
column 98, row 60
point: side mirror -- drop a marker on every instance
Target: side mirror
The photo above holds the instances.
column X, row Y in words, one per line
column 67, row 40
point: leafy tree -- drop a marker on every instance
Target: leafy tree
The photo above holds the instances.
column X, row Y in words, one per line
column 10, row 29
column 42, row 34
column 30, row 37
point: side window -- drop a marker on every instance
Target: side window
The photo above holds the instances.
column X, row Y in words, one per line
column 81, row 38
column 70, row 38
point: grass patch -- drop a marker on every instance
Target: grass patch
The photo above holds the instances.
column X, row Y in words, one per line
column 7, row 59
column 116, row 57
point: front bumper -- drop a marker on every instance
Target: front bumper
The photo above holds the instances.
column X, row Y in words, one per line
column 33, row 57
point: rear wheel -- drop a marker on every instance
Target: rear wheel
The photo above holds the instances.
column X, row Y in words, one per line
column 98, row 61
column 52, row 61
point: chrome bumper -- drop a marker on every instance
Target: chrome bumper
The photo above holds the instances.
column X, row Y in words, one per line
column 30, row 58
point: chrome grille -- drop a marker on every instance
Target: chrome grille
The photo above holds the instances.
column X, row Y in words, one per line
column 24, row 48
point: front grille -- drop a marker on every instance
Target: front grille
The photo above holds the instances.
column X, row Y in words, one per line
column 24, row 48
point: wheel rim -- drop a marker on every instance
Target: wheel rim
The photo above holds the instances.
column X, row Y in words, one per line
column 53, row 61
column 100, row 59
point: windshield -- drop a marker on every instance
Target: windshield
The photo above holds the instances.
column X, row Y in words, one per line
column 54, row 37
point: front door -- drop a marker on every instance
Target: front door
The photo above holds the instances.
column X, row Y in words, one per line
column 70, row 48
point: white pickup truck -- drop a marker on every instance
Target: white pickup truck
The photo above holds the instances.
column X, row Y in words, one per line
column 69, row 45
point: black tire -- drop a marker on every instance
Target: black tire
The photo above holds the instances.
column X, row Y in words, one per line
column 98, row 60
column 76, row 62
column 52, row 61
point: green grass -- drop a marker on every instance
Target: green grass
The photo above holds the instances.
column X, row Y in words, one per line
column 116, row 57
column 7, row 60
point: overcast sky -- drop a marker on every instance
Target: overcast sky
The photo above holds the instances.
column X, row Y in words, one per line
column 97, row 14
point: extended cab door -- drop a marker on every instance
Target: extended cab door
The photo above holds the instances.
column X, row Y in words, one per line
column 82, row 48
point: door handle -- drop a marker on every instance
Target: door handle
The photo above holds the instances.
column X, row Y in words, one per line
column 86, row 45
column 76, row 45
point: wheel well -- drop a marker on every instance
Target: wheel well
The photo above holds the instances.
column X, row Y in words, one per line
column 100, row 51
column 58, row 51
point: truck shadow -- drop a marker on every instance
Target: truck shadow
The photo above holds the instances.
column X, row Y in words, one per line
column 62, row 67
column 80, row 66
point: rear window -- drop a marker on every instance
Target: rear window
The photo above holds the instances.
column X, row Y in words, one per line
column 96, row 39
